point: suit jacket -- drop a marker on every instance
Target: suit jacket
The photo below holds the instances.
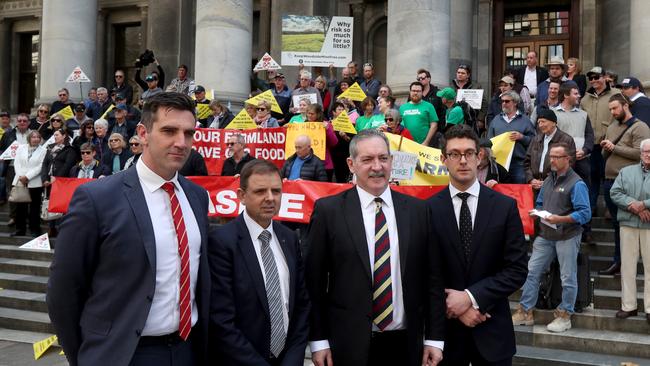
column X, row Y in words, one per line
column 535, row 150
column 542, row 74
column 496, row 269
column 103, row 276
column 339, row 278
column 240, row 326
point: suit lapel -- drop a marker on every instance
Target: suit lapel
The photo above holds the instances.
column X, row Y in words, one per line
column 356, row 229
column 289, row 255
column 195, row 203
column 481, row 220
column 135, row 197
column 245, row 244
column 403, row 230
column 449, row 220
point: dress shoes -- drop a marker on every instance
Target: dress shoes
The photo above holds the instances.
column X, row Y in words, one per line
column 614, row 269
column 622, row 314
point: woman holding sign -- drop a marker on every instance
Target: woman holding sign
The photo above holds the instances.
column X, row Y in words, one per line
column 315, row 114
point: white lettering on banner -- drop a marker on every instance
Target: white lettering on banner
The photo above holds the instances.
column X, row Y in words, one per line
column 292, row 201
column 412, row 112
column 291, row 206
column 209, row 152
column 269, row 154
column 202, row 135
column 226, row 202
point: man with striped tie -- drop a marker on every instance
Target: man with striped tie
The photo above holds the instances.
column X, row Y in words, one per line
column 129, row 283
column 260, row 309
column 373, row 279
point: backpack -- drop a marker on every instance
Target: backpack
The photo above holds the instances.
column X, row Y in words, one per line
column 469, row 114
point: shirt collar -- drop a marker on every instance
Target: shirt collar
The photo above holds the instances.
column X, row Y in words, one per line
column 255, row 229
column 366, row 199
column 473, row 190
column 559, row 108
column 549, row 137
column 151, row 180
column 636, row 96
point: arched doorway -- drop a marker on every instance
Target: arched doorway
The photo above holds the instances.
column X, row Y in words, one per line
column 376, row 51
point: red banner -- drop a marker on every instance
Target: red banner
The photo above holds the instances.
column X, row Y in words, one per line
column 267, row 144
column 298, row 197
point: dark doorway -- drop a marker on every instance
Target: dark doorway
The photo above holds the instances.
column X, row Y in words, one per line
column 28, row 71
column 128, row 46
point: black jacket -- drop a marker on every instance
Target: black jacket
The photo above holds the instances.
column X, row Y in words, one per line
column 223, row 122
column 230, row 168
column 312, row 169
column 98, row 170
column 194, row 166
column 542, row 74
column 640, row 109
column 59, row 165
column 107, row 159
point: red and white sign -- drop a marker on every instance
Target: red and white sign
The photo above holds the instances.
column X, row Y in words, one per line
column 10, row 153
column 267, row 63
column 77, row 76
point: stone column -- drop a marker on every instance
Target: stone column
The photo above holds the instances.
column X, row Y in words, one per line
column 359, row 39
column 639, row 41
column 417, row 42
column 5, row 64
column 66, row 44
column 163, row 35
column 278, row 8
column 462, row 30
column 144, row 23
column 100, row 77
column 224, row 65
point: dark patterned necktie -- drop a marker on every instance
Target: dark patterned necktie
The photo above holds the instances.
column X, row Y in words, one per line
column 465, row 225
column 382, row 297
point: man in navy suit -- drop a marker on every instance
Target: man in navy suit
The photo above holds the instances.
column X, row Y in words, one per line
column 260, row 309
column 129, row 283
column 479, row 234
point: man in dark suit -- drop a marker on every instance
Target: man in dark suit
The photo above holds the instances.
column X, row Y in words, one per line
column 260, row 309
column 481, row 240
column 129, row 283
column 531, row 74
column 372, row 275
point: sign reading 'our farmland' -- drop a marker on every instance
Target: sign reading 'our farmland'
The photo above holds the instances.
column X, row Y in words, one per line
column 316, row 40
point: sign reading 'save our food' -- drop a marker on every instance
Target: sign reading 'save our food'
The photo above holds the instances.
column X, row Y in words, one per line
column 316, row 40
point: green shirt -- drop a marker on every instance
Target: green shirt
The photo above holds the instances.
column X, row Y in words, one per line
column 455, row 116
column 374, row 121
column 297, row 119
column 417, row 118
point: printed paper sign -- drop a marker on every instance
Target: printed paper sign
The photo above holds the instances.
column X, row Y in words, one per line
column 315, row 131
column 403, row 165
column 316, row 40
column 77, row 76
column 473, row 97
column 40, row 243
column 354, row 92
column 10, row 153
column 203, row 111
column 242, row 121
column 267, row 63
column 311, row 97
column 267, row 96
column 342, row 123
column 41, row 347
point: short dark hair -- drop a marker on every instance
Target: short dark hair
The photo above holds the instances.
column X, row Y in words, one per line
column 563, row 145
column 460, row 131
column 618, row 97
column 368, row 100
column 565, row 90
column 415, row 83
column 167, row 100
column 338, row 104
column 256, row 166
column 183, row 66
column 87, row 146
column 425, row 72
column 390, row 100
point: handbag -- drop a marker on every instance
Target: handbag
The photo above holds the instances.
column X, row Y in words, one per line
column 19, row 194
column 46, row 215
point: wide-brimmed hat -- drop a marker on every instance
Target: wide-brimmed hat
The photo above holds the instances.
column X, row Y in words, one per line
column 556, row 60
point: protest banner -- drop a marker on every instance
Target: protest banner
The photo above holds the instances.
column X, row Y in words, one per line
column 473, row 97
column 267, row 96
column 403, row 166
column 66, row 113
column 41, row 347
column 316, row 40
column 266, row 63
column 264, row 143
column 242, row 121
column 10, row 152
column 354, row 92
column 342, row 123
column 502, row 149
column 314, row 130
column 299, row 196
column 203, row 111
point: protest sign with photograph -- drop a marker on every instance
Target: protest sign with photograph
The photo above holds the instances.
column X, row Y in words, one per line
column 316, row 40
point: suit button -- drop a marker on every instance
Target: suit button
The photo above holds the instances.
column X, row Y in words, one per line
column 138, row 332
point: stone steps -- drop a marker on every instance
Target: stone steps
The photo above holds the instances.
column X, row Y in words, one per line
column 33, row 301
column 32, row 321
column 603, row 299
column 539, row 356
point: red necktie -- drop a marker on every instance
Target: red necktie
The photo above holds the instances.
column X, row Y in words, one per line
column 185, row 305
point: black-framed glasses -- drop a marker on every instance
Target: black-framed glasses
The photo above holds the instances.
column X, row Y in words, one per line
column 261, row 109
column 230, row 143
column 594, row 77
column 63, row 95
column 42, row 111
column 57, row 120
column 119, row 76
column 506, row 101
column 420, row 78
column 134, row 144
column 455, row 156
column 86, row 152
column 389, row 119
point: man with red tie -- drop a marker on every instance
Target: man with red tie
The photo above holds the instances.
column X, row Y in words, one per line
column 373, row 279
column 129, row 283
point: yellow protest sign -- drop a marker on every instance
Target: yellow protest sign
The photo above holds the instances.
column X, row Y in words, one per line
column 107, row 111
column 242, row 121
column 203, row 111
column 267, row 96
column 354, row 92
column 342, row 123
column 315, row 131
column 41, row 347
column 66, row 113
column 502, row 149
column 430, row 170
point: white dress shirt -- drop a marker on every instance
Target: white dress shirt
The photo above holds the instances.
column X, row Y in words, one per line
column 164, row 315
column 530, row 80
column 547, row 140
column 368, row 208
column 254, row 230
column 472, row 203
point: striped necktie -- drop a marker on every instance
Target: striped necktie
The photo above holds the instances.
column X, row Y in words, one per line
column 273, row 295
column 382, row 296
column 184, row 302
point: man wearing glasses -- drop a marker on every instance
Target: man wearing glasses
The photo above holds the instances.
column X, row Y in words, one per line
column 122, row 87
column 566, row 197
column 63, row 101
column 429, row 92
column 481, row 243
column 235, row 163
column 305, row 88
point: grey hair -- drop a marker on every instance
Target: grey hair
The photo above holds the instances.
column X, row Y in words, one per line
column 395, row 114
column 134, row 138
column 514, row 95
column 240, row 139
column 365, row 135
column 646, row 141
column 102, row 123
column 102, row 89
column 306, row 74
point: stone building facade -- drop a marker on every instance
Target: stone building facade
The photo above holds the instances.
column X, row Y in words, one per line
column 41, row 41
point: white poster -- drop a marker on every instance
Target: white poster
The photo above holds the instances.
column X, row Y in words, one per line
column 316, row 40
column 403, row 165
column 473, row 97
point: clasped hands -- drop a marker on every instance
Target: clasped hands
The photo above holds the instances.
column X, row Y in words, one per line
column 459, row 306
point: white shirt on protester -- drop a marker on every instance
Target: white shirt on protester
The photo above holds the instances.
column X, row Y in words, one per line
column 164, row 315
column 530, row 80
column 368, row 208
column 254, row 230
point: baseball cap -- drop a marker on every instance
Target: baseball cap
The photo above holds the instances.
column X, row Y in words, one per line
column 122, row 107
column 596, row 70
column 4, row 114
column 120, row 96
column 630, row 82
column 447, row 93
column 508, row 80
column 199, row 89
